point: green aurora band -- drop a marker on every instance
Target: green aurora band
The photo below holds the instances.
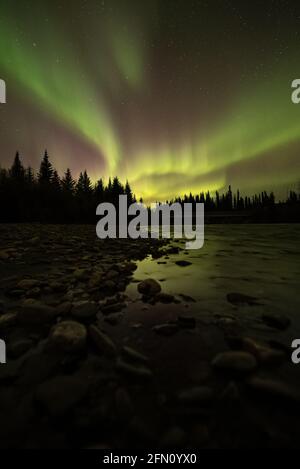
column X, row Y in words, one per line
column 262, row 118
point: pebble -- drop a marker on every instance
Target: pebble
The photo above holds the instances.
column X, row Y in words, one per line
column 195, row 395
column 164, row 298
column 174, row 437
column 19, row 347
column 183, row 263
column 28, row 284
column 114, row 318
column 35, row 312
column 134, row 355
column 272, row 388
column 81, row 274
column 84, row 309
column 165, row 329
column 102, row 342
column 149, row 287
column 135, row 371
column 124, row 404
column 236, row 361
column 61, row 394
column 239, row 298
column 8, row 319
column 69, row 336
column 276, row 321
column 263, row 354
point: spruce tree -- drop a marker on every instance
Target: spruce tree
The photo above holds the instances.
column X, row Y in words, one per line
column 46, row 170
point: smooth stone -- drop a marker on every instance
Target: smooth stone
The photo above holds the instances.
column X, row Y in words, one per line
column 195, row 395
column 19, row 347
column 241, row 362
column 187, row 298
column 69, row 336
column 28, row 284
column 61, row 394
column 114, row 308
column 102, row 342
column 84, row 309
column 81, row 274
column 134, row 355
column 34, row 312
column 174, row 437
column 64, row 308
column 165, row 329
column 149, row 287
column 183, row 263
column 135, row 371
column 262, row 353
column 124, row 404
column 230, row 393
column 239, row 298
column 95, row 279
column 33, row 293
column 8, row 319
column 164, row 298
column 111, row 274
column 4, row 255
column 114, row 318
column 272, row 388
column 276, row 321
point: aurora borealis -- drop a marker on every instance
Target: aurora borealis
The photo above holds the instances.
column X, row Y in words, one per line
column 176, row 96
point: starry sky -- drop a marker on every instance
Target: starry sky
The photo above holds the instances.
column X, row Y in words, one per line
column 175, row 95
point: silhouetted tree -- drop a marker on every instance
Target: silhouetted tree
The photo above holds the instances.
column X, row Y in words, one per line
column 46, row 170
column 67, row 182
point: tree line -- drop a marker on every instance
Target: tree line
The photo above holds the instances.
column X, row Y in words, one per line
column 46, row 197
column 26, row 196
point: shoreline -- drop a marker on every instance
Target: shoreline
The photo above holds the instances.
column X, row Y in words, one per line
column 99, row 356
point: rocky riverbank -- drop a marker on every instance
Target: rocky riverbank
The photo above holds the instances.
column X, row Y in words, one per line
column 88, row 365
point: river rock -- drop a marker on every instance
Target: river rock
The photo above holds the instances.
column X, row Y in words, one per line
column 84, row 309
column 95, row 280
column 235, row 361
column 102, row 342
column 273, row 388
column 114, row 318
column 134, row 370
column 69, row 336
column 134, row 355
column 19, row 347
column 165, row 329
column 7, row 320
column 28, row 284
column 61, row 394
column 149, row 287
column 195, row 395
column 278, row 321
column 81, row 274
column 183, row 263
column 35, row 312
column 262, row 353
column 239, row 298
column 175, row 437
column 124, row 404
column 164, row 298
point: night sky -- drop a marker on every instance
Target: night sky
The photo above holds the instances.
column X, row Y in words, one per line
column 176, row 96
